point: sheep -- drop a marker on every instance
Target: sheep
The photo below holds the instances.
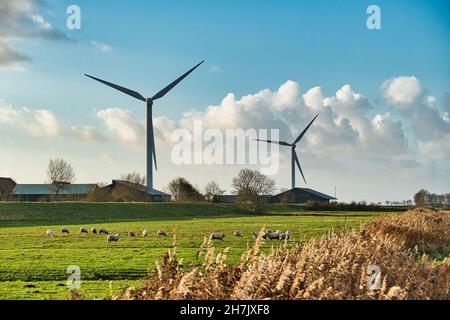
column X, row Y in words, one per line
column 273, row 235
column 238, row 233
column 103, row 230
column 285, row 235
column 256, row 234
column 145, row 233
column 161, row 233
column 113, row 237
column 131, row 234
column 50, row 233
column 84, row 230
column 217, row 236
column 94, row 231
column 65, row 230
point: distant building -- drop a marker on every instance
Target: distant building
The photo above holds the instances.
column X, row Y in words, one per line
column 49, row 192
column 7, row 186
column 300, row 196
column 127, row 191
column 226, row 198
column 296, row 195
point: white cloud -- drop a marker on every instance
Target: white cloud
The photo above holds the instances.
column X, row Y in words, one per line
column 344, row 124
column 43, row 123
column 215, row 70
column 402, row 91
column 100, row 46
column 20, row 20
column 123, row 126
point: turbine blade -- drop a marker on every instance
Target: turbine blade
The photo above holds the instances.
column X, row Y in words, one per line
column 298, row 165
column 304, row 131
column 132, row 93
column 275, row 142
column 153, row 143
column 163, row 92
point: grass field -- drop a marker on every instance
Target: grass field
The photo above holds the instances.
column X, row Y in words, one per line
column 34, row 266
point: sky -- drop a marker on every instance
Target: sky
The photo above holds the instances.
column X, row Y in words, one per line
column 382, row 95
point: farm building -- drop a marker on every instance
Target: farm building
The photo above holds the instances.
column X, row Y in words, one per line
column 126, row 191
column 50, row 192
column 7, row 186
column 296, row 195
column 300, row 195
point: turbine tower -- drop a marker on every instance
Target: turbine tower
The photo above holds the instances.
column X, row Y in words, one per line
column 151, row 152
column 294, row 157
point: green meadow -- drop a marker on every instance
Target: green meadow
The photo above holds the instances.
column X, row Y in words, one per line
column 33, row 266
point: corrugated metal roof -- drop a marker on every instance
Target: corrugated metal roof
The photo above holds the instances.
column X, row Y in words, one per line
column 50, row 189
column 141, row 188
column 317, row 193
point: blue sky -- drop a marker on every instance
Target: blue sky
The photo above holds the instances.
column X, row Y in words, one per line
column 248, row 46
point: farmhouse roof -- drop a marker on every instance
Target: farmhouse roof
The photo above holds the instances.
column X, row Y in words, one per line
column 311, row 191
column 50, row 189
column 140, row 187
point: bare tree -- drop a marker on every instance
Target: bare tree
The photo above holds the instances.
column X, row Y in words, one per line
column 250, row 185
column 213, row 191
column 60, row 173
column 133, row 177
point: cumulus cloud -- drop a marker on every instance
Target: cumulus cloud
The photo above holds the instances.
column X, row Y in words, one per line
column 20, row 20
column 123, row 126
column 345, row 122
column 43, row 123
column 100, row 46
column 402, row 91
column 427, row 120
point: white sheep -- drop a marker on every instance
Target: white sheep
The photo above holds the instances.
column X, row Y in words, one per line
column 273, row 235
column 84, row 230
column 256, row 234
column 285, row 235
column 217, row 236
column 103, row 230
column 113, row 237
column 161, row 233
column 238, row 233
column 94, row 231
column 65, row 230
column 145, row 233
column 50, row 233
column 131, row 234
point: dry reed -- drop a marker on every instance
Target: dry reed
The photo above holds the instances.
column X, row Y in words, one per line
column 334, row 266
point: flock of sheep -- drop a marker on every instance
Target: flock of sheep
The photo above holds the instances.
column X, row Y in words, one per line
column 110, row 237
column 114, row 237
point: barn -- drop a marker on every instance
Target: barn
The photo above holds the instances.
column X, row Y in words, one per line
column 49, row 192
column 300, row 196
column 128, row 191
column 7, row 186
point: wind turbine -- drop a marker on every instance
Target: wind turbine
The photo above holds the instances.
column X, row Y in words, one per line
column 294, row 157
column 149, row 104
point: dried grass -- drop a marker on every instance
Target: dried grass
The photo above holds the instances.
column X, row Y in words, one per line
column 332, row 267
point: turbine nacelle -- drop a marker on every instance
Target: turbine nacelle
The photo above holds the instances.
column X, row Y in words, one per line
column 149, row 102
